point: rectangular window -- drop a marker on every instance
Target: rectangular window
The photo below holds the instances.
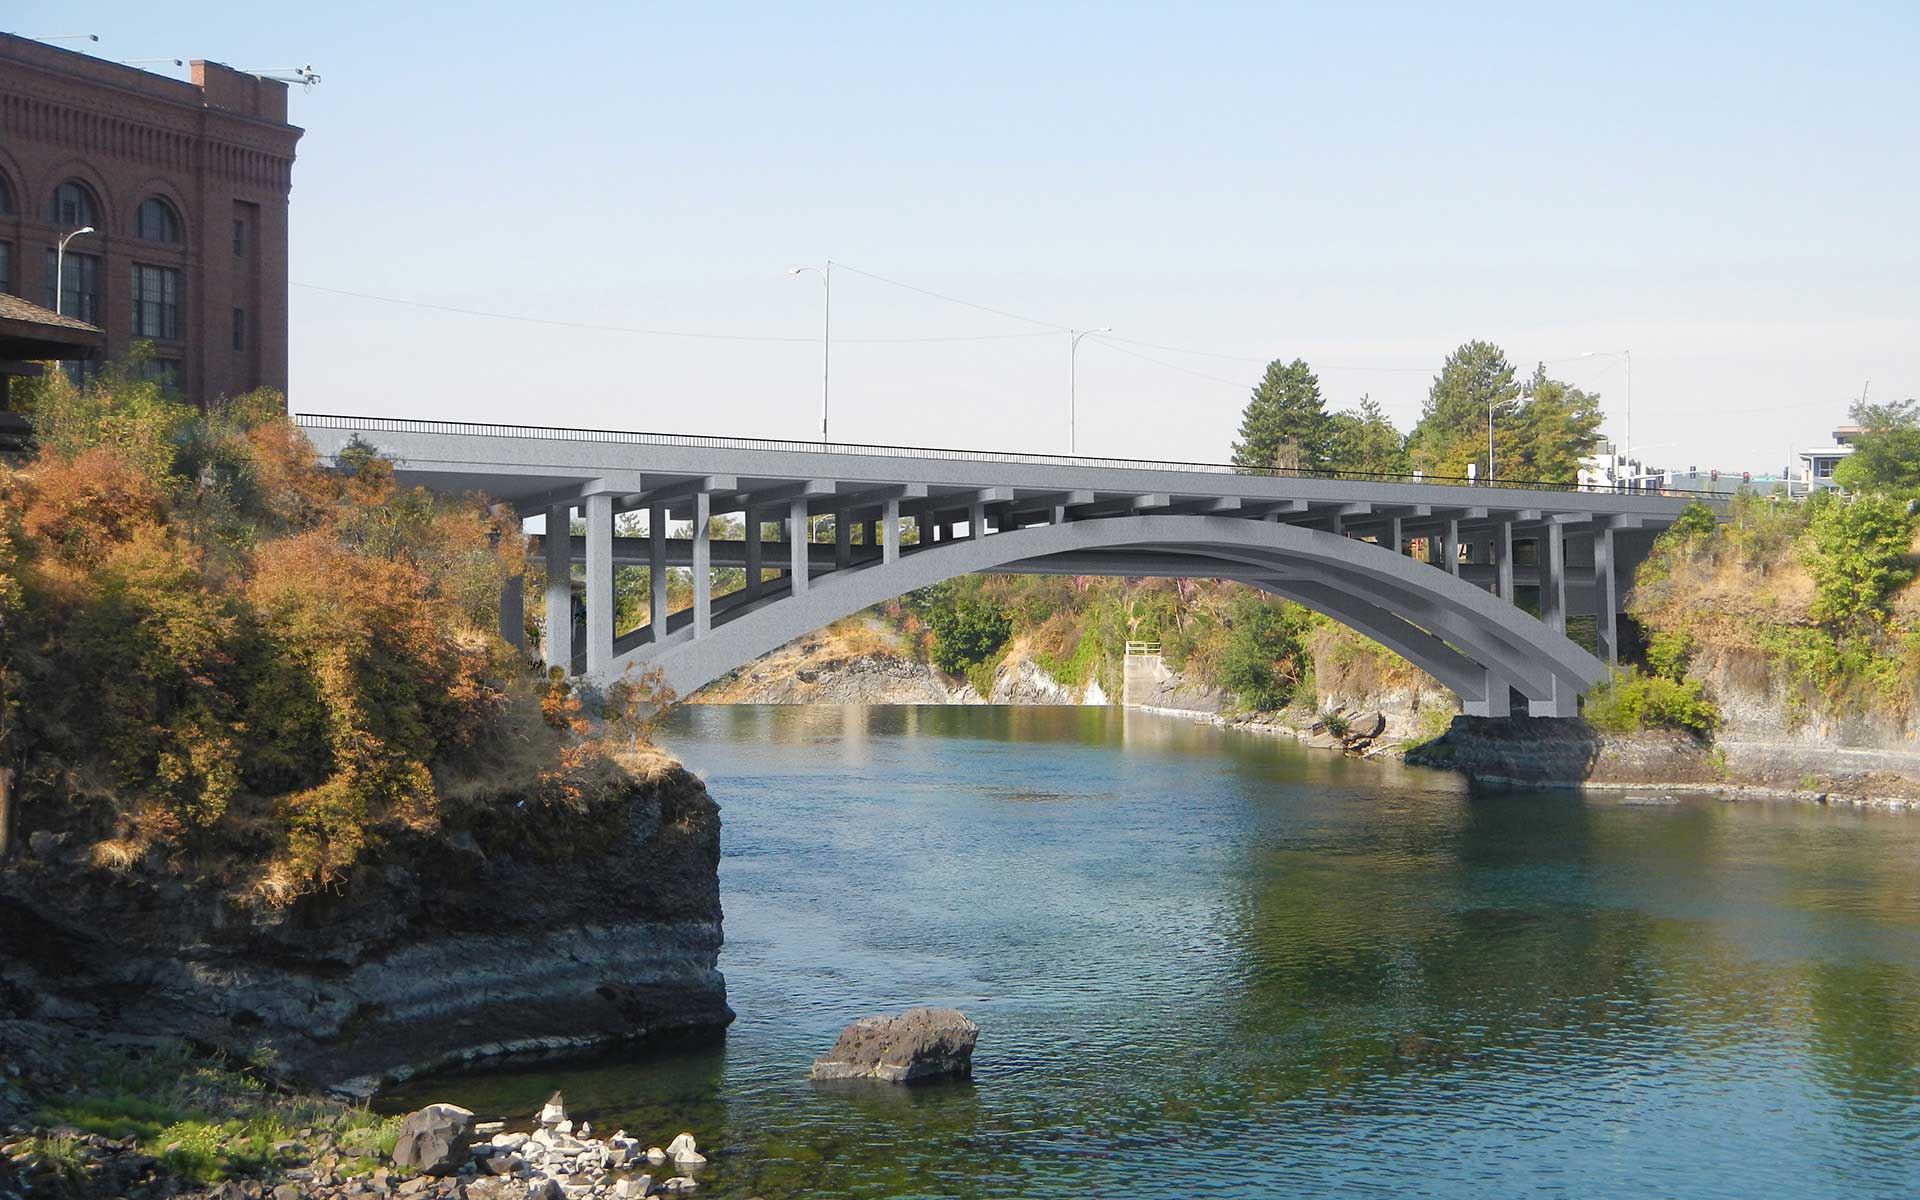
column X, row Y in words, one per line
column 246, row 222
column 81, row 371
column 239, row 329
column 79, row 286
column 156, row 303
column 6, row 266
column 166, row 371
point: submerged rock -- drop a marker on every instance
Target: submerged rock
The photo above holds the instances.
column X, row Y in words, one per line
column 436, row 1140
column 921, row 1043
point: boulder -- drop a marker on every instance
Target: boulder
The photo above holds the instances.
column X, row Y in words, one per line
column 436, row 1140
column 1366, row 726
column 553, row 1111
column 684, row 1153
column 921, row 1043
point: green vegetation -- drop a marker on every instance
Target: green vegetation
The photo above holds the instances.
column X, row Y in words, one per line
column 219, row 657
column 1542, row 428
column 1886, row 455
column 207, row 1121
column 1263, row 660
column 1813, row 597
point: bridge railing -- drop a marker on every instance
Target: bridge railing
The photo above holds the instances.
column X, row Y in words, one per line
column 629, row 437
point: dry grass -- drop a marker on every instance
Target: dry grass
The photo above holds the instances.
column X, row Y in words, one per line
column 1349, row 665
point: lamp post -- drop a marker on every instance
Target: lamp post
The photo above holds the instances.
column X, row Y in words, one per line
column 60, row 268
column 1490, row 405
column 1628, row 356
column 1073, row 385
column 826, row 341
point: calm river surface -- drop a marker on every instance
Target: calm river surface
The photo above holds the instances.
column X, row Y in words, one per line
column 1214, row 964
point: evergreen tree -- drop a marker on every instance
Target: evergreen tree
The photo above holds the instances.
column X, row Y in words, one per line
column 1452, row 431
column 1364, row 440
column 1285, row 423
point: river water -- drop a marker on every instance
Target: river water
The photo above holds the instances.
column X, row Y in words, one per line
column 1208, row 963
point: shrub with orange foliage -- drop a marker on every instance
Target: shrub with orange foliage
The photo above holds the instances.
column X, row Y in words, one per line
column 243, row 658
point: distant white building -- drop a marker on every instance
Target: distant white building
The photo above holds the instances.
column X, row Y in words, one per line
column 1817, row 463
column 1609, row 468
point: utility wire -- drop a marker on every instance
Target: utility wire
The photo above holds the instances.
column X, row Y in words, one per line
column 998, row 312
column 1233, row 383
column 677, row 333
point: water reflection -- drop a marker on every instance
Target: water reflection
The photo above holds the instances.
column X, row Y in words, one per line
column 1228, row 966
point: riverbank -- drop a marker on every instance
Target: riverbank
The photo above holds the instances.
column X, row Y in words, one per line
column 198, row 1129
column 516, row 928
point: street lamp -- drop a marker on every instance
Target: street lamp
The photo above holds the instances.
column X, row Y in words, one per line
column 1073, row 385
column 1628, row 355
column 826, row 341
column 60, row 267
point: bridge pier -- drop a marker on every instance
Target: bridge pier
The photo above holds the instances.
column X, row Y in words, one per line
column 1553, row 578
column 702, row 568
column 559, row 554
column 798, row 529
column 1606, row 600
column 657, row 572
column 751, row 532
column 513, row 612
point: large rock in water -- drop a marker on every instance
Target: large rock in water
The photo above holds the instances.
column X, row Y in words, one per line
column 436, row 1140
column 921, row 1043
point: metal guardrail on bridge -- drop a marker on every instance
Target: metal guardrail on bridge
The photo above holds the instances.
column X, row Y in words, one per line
column 627, row 437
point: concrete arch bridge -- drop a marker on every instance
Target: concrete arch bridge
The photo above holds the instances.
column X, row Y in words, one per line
column 1341, row 546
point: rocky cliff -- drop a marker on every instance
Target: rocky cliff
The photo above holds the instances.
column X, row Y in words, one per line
column 526, row 930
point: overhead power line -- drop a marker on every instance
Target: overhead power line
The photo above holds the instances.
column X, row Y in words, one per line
column 998, row 312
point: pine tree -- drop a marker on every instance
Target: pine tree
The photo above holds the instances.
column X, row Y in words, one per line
column 1285, row 423
column 1364, row 440
column 1453, row 424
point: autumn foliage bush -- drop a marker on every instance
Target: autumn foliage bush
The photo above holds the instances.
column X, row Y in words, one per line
column 218, row 652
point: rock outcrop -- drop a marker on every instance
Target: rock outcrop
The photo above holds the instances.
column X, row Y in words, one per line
column 532, row 930
column 921, row 1043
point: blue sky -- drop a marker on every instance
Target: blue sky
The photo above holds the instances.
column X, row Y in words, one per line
column 1729, row 191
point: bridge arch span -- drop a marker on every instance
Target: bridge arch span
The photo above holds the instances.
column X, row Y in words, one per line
column 1471, row 641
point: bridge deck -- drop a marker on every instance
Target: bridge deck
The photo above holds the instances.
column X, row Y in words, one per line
column 1329, row 540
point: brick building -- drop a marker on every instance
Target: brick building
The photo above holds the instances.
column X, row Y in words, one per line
column 185, row 185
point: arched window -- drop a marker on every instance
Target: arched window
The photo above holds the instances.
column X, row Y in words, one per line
column 157, row 222
column 72, row 206
column 6, row 198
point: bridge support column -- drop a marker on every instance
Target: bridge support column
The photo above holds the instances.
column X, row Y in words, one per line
column 751, row 531
column 1553, row 576
column 513, row 612
column 890, row 533
column 1396, row 536
column 797, row 546
column 1606, row 602
column 657, row 573
column 1450, row 546
column 702, row 564
column 558, row 544
column 977, row 520
column 842, row 541
column 1503, row 561
column 1497, row 702
column 599, row 595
